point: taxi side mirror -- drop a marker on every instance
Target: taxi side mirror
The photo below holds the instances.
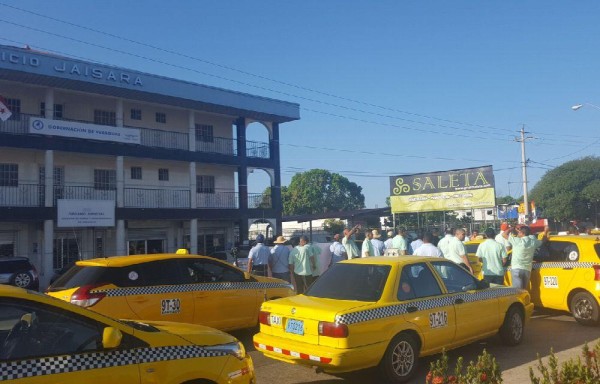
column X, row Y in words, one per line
column 111, row 337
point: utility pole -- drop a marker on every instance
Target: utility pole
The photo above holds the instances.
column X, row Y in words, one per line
column 522, row 140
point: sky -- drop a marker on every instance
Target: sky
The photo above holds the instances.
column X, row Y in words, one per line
column 385, row 87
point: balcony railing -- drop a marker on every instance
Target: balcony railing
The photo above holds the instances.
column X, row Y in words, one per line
column 23, row 195
column 156, row 198
column 225, row 200
column 82, row 192
column 19, row 124
column 259, row 200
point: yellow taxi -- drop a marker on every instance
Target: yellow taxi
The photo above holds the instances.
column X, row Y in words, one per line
column 471, row 249
column 44, row 340
column 386, row 312
column 171, row 287
column 566, row 276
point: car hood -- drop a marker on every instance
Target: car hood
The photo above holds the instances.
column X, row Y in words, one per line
column 193, row 333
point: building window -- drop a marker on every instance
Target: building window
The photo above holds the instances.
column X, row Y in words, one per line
column 9, row 175
column 136, row 114
column 14, row 106
column 161, row 117
column 163, row 174
column 136, row 173
column 105, row 179
column 58, row 110
column 204, row 133
column 105, row 117
column 205, row 184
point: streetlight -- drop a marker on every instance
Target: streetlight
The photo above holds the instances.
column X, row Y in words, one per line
column 579, row 106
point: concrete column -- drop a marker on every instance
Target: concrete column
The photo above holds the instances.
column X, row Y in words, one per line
column 242, row 178
column 119, row 113
column 120, row 182
column 194, row 236
column 193, row 194
column 276, row 201
column 49, row 178
column 192, row 131
column 121, row 243
column 49, row 104
column 47, row 262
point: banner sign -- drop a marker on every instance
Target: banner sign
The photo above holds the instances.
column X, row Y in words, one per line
column 85, row 213
column 84, row 131
column 443, row 191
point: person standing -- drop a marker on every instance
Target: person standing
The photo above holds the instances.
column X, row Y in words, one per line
column 316, row 252
column 455, row 250
column 279, row 260
column 435, row 237
column 258, row 257
column 493, row 256
column 338, row 251
column 367, row 246
column 417, row 242
column 443, row 243
column 399, row 242
column 502, row 236
column 301, row 265
column 378, row 246
column 427, row 248
column 390, row 238
column 348, row 242
column 523, row 248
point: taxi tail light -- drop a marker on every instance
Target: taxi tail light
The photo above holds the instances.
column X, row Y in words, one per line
column 597, row 272
column 333, row 329
column 85, row 298
column 264, row 318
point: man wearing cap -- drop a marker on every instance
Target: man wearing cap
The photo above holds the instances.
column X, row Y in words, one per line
column 493, row 256
column 390, row 238
column 502, row 237
column 338, row 251
column 258, row 257
column 279, row 260
column 378, row 246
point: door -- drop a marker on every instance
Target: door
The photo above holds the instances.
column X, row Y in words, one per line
column 477, row 313
column 421, row 292
column 223, row 298
column 551, row 277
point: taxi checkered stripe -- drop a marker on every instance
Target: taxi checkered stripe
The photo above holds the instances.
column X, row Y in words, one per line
column 158, row 289
column 83, row 362
column 560, row 264
column 422, row 305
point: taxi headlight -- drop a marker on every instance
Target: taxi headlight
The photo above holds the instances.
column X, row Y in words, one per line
column 234, row 349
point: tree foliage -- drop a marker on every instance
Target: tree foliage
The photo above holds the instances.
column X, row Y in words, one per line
column 570, row 190
column 333, row 226
column 320, row 191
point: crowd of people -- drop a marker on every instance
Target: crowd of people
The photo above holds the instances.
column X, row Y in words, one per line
column 300, row 264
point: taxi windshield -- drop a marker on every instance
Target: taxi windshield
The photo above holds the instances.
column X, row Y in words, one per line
column 360, row 282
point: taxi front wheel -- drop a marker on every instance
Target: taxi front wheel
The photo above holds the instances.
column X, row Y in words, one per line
column 401, row 358
column 585, row 309
column 512, row 329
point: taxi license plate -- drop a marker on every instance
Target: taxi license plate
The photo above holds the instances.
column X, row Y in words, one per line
column 295, row 326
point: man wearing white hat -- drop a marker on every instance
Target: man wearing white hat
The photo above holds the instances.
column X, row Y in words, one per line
column 279, row 260
column 378, row 247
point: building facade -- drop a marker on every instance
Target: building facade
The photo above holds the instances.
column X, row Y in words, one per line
column 98, row 160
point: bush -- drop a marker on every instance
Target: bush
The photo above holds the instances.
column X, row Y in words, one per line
column 574, row 371
column 485, row 371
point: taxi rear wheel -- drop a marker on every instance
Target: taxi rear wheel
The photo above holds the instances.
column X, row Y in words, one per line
column 401, row 359
column 585, row 309
column 513, row 327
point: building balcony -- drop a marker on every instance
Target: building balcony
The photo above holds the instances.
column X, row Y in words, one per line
column 155, row 138
column 33, row 195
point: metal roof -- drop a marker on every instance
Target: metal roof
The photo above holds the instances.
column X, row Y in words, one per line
column 48, row 70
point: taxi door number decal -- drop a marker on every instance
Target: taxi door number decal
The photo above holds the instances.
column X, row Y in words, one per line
column 550, row 281
column 438, row 319
column 170, row 306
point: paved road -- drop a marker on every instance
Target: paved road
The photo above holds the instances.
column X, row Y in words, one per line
column 548, row 329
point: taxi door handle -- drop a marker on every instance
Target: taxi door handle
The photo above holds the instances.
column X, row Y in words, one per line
column 139, row 299
column 412, row 309
column 567, row 268
column 459, row 301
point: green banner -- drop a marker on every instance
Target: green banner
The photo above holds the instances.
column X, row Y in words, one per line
column 443, row 191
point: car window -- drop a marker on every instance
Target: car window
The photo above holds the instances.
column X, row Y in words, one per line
column 416, row 281
column 207, row 271
column 32, row 330
column 362, row 282
column 161, row 272
column 471, row 248
column 557, row 251
column 454, row 277
column 12, row 266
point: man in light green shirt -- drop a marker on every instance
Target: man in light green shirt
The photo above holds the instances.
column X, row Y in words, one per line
column 348, row 242
column 302, row 264
column 455, row 250
column 523, row 249
column 367, row 246
column 493, row 255
column 399, row 242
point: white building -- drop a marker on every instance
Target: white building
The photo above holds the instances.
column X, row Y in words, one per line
column 140, row 163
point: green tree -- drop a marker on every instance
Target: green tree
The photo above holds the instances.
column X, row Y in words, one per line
column 333, row 226
column 320, row 191
column 569, row 191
